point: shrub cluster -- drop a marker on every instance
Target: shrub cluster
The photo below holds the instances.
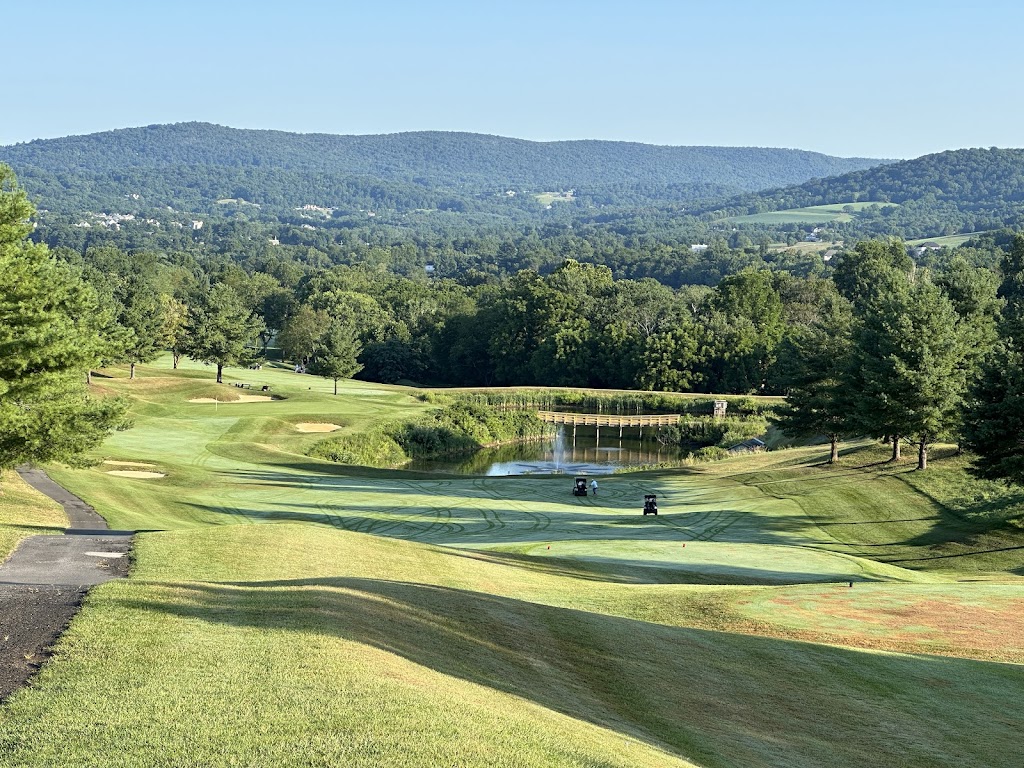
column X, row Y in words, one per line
column 460, row 427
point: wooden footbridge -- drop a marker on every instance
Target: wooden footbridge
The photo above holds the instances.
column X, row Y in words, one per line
column 620, row 421
column 609, row 419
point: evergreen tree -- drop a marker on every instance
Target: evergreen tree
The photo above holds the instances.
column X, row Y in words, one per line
column 46, row 412
column 870, row 271
column 909, row 368
column 871, row 277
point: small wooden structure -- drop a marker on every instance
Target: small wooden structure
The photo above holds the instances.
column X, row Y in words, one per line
column 720, row 406
column 579, row 486
column 609, row 419
column 650, row 504
column 753, row 445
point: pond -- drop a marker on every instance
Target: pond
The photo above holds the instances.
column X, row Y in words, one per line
column 588, row 454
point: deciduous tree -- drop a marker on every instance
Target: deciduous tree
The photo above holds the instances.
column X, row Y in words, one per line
column 220, row 330
column 338, row 351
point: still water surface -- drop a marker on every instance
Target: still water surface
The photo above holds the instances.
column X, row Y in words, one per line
column 589, row 454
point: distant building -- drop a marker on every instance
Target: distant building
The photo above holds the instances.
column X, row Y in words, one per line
column 698, row 247
column 753, row 445
column 923, row 248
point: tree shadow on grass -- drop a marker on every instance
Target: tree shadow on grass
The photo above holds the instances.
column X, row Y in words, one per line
column 716, row 698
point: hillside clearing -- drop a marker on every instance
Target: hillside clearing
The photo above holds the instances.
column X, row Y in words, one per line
column 812, row 214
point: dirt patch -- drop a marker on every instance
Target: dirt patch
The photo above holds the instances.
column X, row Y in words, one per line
column 136, row 473
column 31, row 620
column 238, row 399
column 316, row 426
column 112, row 463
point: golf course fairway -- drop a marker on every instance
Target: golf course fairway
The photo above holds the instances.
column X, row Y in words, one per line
column 286, row 611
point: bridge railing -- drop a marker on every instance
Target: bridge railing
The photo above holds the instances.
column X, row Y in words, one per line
column 609, row 420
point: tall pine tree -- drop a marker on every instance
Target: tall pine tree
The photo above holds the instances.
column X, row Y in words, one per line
column 910, row 363
column 46, row 413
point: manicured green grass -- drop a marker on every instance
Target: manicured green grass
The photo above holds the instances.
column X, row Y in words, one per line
column 950, row 241
column 25, row 512
column 813, row 214
column 376, row 617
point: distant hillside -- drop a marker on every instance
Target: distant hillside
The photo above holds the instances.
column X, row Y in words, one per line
column 192, row 165
column 967, row 190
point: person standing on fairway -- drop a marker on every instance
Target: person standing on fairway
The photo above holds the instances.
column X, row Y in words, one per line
column 593, row 487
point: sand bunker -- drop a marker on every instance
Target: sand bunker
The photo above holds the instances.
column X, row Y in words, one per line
column 135, row 473
column 316, row 426
column 239, row 399
column 113, row 463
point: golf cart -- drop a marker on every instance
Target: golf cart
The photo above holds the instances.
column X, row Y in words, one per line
column 650, row 504
column 579, row 486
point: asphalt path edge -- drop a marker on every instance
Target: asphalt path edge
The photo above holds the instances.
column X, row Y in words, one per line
column 46, row 579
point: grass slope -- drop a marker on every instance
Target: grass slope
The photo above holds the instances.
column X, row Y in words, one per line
column 25, row 512
column 397, row 618
column 297, row 645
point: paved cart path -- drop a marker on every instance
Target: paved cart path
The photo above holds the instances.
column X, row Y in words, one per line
column 43, row 582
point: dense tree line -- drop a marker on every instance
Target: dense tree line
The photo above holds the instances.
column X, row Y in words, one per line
column 898, row 353
column 488, row 252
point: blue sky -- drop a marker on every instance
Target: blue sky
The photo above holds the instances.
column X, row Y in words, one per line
column 878, row 79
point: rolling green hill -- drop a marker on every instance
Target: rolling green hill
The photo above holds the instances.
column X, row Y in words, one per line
column 960, row 191
column 190, row 165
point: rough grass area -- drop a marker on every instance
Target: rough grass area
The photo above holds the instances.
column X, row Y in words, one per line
column 25, row 512
column 285, row 611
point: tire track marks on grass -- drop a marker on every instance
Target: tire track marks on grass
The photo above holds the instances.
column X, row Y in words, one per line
column 422, row 523
column 540, row 521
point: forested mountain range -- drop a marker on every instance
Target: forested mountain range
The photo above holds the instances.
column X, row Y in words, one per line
column 192, row 165
column 967, row 190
